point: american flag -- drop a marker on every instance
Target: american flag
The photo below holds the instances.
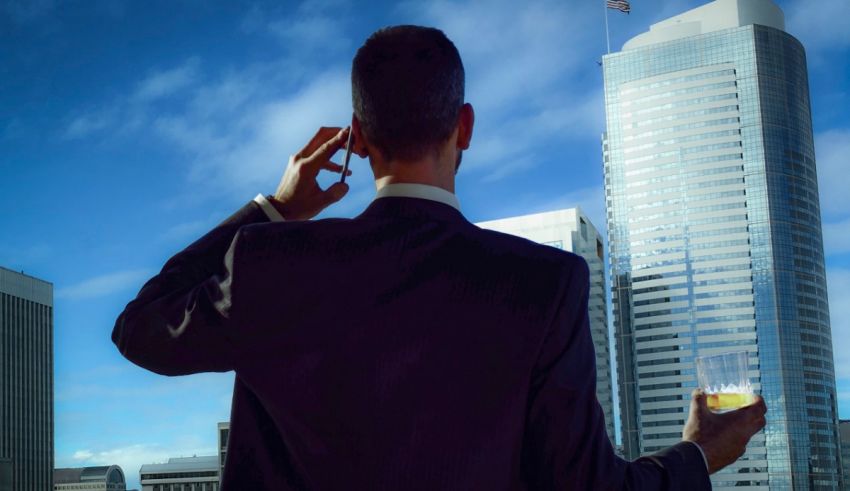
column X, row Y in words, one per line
column 621, row 5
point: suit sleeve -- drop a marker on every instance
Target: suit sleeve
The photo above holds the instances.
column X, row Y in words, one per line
column 182, row 320
column 566, row 446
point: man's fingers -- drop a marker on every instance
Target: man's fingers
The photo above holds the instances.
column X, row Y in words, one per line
column 334, row 167
column 323, row 154
column 324, row 134
column 335, row 192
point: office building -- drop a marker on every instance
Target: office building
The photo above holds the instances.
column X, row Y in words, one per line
column 181, row 474
column 26, row 382
column 103, row 478
column 844, row 434
column 571, row 230
column 223, row 433
column 715, row 235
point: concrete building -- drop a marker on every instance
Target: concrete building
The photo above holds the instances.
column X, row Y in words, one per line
column 223, row 433
column 104, row 478
column 182, row 474
column 571, row 230
column 26, row 382
column 715, row 235
column 844, row 433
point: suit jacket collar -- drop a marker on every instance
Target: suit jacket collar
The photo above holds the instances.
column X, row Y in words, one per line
column 412, row 209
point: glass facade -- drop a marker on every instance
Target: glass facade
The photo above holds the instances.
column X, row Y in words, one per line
column 26, row 382
column 716, row 246
column 571, row 230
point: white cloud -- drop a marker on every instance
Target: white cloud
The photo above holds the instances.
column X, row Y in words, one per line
column 87, row 124
column 838, row 284
column 250, row 151
column 167, row 82
column 104, row 284
column 819, row 25
column 526, row 66
column 831, row 150
column 82, row 455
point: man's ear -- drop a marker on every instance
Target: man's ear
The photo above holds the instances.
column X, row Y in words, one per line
column 465, row 122
column 360, row 145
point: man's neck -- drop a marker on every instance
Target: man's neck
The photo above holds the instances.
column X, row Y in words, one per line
column 430, row 172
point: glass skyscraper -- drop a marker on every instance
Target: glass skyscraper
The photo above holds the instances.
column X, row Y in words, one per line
column 571, row 230
column 715, row 235
column 26, row 382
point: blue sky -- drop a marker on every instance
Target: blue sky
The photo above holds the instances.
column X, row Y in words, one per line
column 128, row 129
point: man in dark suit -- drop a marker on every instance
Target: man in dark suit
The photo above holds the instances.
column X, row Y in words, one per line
column 405, row 348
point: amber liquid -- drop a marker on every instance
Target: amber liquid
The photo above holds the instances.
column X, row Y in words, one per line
column 727, row 402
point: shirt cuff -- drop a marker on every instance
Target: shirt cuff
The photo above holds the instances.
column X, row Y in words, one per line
column 269, row 208
column 702, row 452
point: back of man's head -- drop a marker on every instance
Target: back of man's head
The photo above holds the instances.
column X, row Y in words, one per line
column 407, row 86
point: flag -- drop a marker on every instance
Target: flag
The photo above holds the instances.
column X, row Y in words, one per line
column 621, row 5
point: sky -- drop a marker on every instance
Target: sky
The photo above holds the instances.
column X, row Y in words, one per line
column 129, row 129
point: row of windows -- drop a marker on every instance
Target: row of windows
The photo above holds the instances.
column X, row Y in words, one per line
column 692, row 222
column 682, row 139
column 684, row 151
column 690, row 166
column 682, row 127
column 680, row 236
column 679, row 80
column 684, row 188
column 677, row 92
column 683, row 115
column 684, row 103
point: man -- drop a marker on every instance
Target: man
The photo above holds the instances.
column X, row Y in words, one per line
column 405, row 348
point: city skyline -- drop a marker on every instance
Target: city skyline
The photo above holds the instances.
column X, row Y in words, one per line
column 128, row 132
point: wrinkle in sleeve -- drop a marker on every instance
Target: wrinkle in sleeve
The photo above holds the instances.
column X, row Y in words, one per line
column 178, row 331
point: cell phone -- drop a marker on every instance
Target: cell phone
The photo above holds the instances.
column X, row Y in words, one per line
column 347, row 155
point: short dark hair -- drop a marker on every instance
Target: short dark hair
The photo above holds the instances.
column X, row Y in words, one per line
column 407, row 86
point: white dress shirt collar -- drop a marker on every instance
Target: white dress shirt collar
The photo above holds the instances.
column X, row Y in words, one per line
column 423, row 191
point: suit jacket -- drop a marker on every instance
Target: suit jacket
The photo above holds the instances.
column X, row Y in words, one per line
column 403, row 349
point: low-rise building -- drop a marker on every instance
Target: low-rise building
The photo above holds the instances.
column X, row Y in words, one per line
column 223, row 434
column 182, row 474
column 101, row 478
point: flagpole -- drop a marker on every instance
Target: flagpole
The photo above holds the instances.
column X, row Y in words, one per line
column 607, row 37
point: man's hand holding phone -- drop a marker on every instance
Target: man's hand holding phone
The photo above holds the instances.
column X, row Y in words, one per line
column 299, row 197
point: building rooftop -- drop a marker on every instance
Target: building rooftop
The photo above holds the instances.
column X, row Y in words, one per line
column 713, row 16
column 71, row 475
column 26, row 286
column 183, row 464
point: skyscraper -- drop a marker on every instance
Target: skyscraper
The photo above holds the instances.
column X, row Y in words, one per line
column 26, row 381
column 572, row 231
column 715, row 235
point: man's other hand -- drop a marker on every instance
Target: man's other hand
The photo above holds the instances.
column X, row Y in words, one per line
column 299, row 197
column 723, row 437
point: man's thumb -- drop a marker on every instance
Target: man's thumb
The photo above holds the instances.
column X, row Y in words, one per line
column 699, row 401
column 336, row 191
